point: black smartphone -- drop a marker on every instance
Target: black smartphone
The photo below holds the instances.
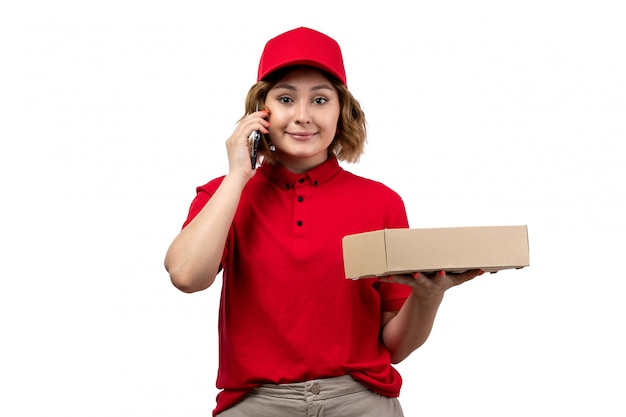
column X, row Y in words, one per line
column 254, row 139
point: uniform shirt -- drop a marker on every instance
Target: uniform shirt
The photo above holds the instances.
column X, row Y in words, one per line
column 287, row 311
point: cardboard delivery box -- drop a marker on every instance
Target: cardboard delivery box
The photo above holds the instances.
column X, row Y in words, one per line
column 453, row 249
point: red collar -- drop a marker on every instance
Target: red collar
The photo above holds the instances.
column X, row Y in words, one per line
column 315, row 176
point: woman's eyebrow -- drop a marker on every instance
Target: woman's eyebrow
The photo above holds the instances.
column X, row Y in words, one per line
column 285, row 86
column 321, row 87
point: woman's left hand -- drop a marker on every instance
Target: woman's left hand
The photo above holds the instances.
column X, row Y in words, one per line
column 431, row 287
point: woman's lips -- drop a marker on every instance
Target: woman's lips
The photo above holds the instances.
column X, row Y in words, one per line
column 301, row 135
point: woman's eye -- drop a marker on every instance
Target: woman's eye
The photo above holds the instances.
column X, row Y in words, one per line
column 284, row 100
column 320, row 100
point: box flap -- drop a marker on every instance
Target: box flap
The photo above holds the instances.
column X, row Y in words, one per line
column 364, row 254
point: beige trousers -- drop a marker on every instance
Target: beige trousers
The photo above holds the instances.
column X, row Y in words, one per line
column 332, row 397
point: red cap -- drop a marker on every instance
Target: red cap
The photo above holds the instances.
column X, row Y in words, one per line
column 302, row 46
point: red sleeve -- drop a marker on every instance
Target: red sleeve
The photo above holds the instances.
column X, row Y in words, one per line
column 393, row 296
column 203, row 195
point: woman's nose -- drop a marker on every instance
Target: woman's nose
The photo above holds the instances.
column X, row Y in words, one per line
column 303, row 115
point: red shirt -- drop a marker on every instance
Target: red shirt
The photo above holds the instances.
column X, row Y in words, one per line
column 287, row 312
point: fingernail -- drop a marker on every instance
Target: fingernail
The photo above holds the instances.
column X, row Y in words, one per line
column 441, row 273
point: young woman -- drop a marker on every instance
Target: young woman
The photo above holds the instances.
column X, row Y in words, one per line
column 295, row 337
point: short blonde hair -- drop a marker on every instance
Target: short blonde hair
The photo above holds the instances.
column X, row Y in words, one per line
column 349, row 142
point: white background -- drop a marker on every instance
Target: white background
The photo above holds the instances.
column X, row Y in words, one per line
column 480, row 113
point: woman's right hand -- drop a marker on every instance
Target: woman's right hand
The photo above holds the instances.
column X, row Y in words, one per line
column 238, row 147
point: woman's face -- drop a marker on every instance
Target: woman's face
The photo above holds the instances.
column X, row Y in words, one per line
column 304, row 112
